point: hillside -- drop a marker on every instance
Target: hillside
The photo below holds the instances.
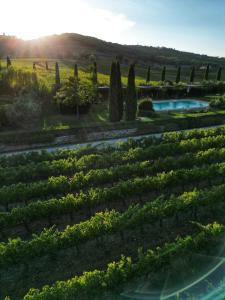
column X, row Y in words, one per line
column 76, row 46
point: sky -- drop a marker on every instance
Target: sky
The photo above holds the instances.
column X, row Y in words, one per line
column 190, row 25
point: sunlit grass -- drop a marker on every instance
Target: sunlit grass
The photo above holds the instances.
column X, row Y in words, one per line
column 66, row 71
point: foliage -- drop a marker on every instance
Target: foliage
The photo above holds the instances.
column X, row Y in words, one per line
column 3, row 116
column 145, row 108
column 25, row 110
column 218, row 102
column 219, row 74
column 107, row 196
column 57, row 77
column 163, row 78
column 75, row 94
column 95, row 74
column 114, row 111
column 50, row 241
column 15, row 81
column 76, row 77
column 115, row 277
column 148, row 78
column 207, row 73
column 131, row 96
column 67, row 162
column 178, row 74
column 119, row 92
column 8, row 62
column 192, row 75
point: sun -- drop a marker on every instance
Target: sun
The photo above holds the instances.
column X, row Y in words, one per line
column 30, row 19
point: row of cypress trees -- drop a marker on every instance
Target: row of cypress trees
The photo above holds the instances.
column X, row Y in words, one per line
column 121, row 105
column 178, row 76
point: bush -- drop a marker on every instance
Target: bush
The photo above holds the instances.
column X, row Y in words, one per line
column 3, row 117
column 26, row 109
column 74, row 95
column 218, row 102
column 145, row 108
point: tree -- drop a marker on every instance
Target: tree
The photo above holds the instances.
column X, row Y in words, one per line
column 192, row 75
column 76, row 72
column 0, row 66
column 74, row 94
column 131, row 97
column 163, row 74
column 34, row 66
column 8, row 62
column 46, row 65
column 178, row 74
column 95, row 74
column 219, row 74
column 57, row 77
column 148, row 75
column 114, row 115
column 207, row 73
column 119, row 90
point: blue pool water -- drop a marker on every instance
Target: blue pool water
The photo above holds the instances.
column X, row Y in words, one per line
column 178, row 104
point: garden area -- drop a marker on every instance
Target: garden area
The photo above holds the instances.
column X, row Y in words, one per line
column 41, row 99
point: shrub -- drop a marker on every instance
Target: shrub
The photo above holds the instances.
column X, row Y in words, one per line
column 75, row 94
column 145, row 108
column 3, row 117
column 15, row 81
column 218, row 102
column 26, row 109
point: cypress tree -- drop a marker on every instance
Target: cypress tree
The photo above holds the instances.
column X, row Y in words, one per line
column 113, row 95
column 57, row 77
column 8, row 62
column 0, row 65
column 131, row 97
column 148, row 75
column 95, row 74
column 34, row 66
column 192, row 75
column 46, row 65
column 178, row 74
column 76, row 72
column 219, row 74
column 163, row 74
column 207, row 73
column 119, row 91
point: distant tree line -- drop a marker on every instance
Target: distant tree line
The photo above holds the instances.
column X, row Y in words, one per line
column 192, row 74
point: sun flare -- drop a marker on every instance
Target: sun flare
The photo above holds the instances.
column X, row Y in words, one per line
column 33, row 19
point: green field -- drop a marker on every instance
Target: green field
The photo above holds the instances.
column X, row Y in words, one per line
column 66, row 70
column 75, row 211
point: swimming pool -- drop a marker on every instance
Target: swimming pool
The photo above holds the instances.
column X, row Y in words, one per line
column 179, row 104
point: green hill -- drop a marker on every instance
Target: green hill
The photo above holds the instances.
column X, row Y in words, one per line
column 76, row 46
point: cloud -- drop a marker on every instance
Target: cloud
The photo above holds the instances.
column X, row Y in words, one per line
column 33, row 18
